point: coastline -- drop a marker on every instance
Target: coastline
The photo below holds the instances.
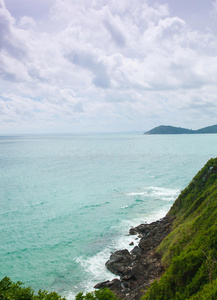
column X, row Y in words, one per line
column 138, row 268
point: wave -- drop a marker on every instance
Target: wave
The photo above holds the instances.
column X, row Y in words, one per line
column 152, row 191
column 136, row 194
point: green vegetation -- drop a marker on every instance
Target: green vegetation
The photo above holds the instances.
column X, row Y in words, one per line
column 104, row 294
column 190, row 251
column 178, row 130
column 15, row 291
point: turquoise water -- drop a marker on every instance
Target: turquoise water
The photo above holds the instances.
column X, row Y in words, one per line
column 67, row 201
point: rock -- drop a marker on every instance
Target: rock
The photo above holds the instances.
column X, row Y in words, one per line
column 119, row 262
column 103, row 284
column 115, row 283
column 142, row 265
column 147, row 243
column 131, row 244
column 136, row 251
column 154, row 234
column 133, row 231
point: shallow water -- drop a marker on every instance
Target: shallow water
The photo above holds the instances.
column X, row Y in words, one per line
column 67, row 201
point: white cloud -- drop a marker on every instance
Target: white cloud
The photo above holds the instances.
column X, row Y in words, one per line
column 214, row 6
column 27, row 23
column 105, row 61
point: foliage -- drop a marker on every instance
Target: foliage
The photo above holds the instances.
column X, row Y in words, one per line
column 15, row 291
column 190, row 251
column 104, row 294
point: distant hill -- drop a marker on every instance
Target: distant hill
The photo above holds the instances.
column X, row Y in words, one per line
column 163, row 129
column 209, row 129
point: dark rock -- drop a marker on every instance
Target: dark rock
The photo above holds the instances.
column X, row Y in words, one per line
column 136, row 251
column 133, row 231
column 103, row 284
column 114, row 284
column 142, row 265
column 119, row 262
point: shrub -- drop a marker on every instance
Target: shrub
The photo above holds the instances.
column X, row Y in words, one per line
column 104, row 294
column 15, row 291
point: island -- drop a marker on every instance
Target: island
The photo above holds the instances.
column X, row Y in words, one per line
column 167, row 129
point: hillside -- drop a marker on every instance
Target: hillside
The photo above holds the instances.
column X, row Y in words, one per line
column 163, row 129
column 209, row 129
column 189, row 252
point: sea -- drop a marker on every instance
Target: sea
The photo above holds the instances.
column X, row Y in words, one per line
column 67, row 201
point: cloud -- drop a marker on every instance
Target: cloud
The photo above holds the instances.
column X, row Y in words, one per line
column 100, row 62
column 27, row 23
column 214, row 4
column 38, row 10
column 91, row 63
column 6, row 21
column 116, row 34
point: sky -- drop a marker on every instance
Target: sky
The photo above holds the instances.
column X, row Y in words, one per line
column 76, row 66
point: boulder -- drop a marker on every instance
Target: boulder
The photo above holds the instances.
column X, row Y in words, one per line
column 119, row 262
column 136, row 251
column 115, row 284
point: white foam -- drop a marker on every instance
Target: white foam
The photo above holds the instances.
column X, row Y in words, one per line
column 69, row 295
column 95, row 265
column 127, row 224
column 162, row 193
column 126, row 206
column 96, row 271
column 136, row 194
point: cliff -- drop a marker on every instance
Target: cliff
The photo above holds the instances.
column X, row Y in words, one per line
column 189, row 252
column 163, row 129
column 177, row 256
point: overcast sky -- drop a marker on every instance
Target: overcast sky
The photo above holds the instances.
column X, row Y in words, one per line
column 100, row 65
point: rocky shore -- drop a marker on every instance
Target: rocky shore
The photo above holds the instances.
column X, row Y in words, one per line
column 142, row 265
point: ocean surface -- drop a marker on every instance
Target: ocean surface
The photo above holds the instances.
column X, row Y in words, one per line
column 68, row 201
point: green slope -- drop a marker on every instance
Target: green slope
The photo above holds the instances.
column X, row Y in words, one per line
column 190, row 250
